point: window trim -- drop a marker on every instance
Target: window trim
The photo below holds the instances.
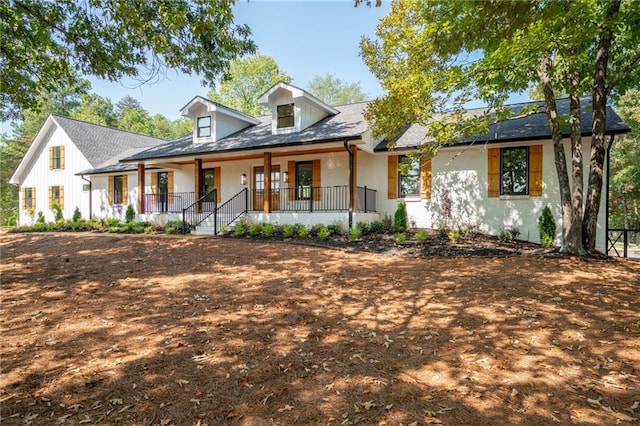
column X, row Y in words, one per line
column 201, row 128
column 31, row 204
column 56, row 157
column 527, row 188
column 59, row 200
column 280, row 116
column 401, row 177
column 118, row 197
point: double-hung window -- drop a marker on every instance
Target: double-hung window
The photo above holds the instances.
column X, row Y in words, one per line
column 117, row 189
column 56, row 157
column 29, row 201
column 204, row 126
column 408, row 176
column 285, row 116
column 514, row 171
column 56, row 197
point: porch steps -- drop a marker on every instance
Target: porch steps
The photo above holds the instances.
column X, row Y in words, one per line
column 207, row 227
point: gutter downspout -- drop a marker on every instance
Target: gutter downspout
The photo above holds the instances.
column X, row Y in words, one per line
column 90, row 196
column 606, row 220
column 351, row 189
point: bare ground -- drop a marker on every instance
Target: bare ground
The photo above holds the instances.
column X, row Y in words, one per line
column 156, row 330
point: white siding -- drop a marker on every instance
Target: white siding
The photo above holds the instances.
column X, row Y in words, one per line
column 40, row 177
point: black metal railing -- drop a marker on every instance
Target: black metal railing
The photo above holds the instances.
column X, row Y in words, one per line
column 367, row 199
column 172, row 202
column 314, row 199
column 230, row 210
column 199, row 210
column 614, row 237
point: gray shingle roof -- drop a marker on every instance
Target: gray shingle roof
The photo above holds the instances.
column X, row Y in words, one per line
column 100, row 144
column 348, row 124
column 532, row 127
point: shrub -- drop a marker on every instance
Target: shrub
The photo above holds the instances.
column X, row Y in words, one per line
column 173, row 227
column 354, row 233
column 508, row 234
column 240, row 229
column 76, row 215
column 303, row 232
column 443, row 229
column 547, row 227
column 267, row 229
column 335, row 229
column 363, row 227
column 40, row 218
column 454, row 236
column 323, row 233
column 377, row 227
column 224, row 229
column 111, row 222
column 400, row 218
column 288, row 230
column 58, row 212
column 401, row 237
column 255, row 229
column 387, row 223
column 421, row 236
column 315, row 229
column 130, row 214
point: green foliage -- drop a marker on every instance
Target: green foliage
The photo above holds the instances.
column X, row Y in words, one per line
column 508, row 234
column 421, row 236
column 335, row 229
column 288, row 230
column 323, row 233
column 303, row 231
column 268, row 229
column 334, row 91
column 111, row 222
column 76, row 215
column 255, row 229
column 246, row 80
column 454, row 236
column 354, row 234
column 130, row 214
column 378, row 227
column 547, row 227
column 400, row 218
column 240, row 228
column 401, row 237
column 363, row 227
column 111, row 39
column 57, row 212
column 174, row 227
column 40, row 218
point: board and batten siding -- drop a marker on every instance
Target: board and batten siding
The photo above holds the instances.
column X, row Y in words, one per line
column 40, row 176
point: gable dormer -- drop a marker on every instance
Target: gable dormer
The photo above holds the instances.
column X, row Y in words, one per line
column 293, row 109
column 213, row 121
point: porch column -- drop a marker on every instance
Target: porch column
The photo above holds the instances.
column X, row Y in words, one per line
column 141, row 184
column 197, row 182
column 353, row 190
column 267, row 183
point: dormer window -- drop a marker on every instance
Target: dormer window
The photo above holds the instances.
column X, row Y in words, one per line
column 204, row 126
column 285, row 116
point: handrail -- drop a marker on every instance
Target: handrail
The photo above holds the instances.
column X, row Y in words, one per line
column 197, row 217
column 231, row 209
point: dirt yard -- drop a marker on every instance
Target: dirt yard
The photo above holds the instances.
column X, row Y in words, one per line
column 159, row 330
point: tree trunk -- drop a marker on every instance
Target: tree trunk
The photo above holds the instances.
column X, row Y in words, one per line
column 596, row 162
column 571, row 237
column 577, row 166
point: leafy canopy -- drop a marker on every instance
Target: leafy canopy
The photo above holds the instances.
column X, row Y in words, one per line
column 335, row 91
column 246, row 80
column 45, row 44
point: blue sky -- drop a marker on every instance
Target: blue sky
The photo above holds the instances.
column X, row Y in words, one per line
column 306, row 38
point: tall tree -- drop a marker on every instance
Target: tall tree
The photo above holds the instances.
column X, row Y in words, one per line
column 246, row 80
column 94, row 108
column 45, row 42
column 436, row 55
column 335, row 91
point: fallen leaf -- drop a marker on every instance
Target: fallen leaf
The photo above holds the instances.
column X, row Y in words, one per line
column 287, row 407
column 595, row 402
column 624, row 417
column 369, row 405
column 182, row 382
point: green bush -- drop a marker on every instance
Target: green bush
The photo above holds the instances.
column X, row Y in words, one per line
column 387, row 223
column 508, row 234
column 267, row 229
column 130, row 214
column 240, row 229
column 454, row 236
column 171, row 227
column 76, row 215
column 377, row 227
column 288, row 230
column 335, row 229
column 547, row 227
column 354, row 233
column 303, row 232
column 401, row 237
column 421, row 236
column 324, row 233
column 40, row 218
column 316, row 229
column 255, row 229
column 400, row 218
column 58, row 212
column 443, row 229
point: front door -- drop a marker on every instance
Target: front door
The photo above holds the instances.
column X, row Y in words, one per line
column 163, row 191
column 258, row 188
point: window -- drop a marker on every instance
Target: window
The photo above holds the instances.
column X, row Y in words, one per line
column 408, row 176
column 56, row 196
column 29, row 199
column 285, row 116
column 304, row 179
column 204, row 127
column 208, row 180
column 56, row 157
column 117, row 189
column 514, row 171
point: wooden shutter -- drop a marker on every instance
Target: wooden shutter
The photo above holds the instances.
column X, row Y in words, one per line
column 217, row 184
column 154, row 182
column 110, row 190
column 33, row 198
column 61, row 199
column 125, row 189
column 425, row 177
column 170, row 182
column 24, row 198
column 50, row 197
column 291, row 168
column 62, row 157
column 316, row 181
column 493, row 156
column 392, row 177
column 50, row 158
column 535, row 171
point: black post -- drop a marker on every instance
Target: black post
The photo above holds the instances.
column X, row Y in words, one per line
column 311, row 199
column 215, row 211
column 366, row 209
column 184, row 227
column 625, row 240
column 606, row 197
